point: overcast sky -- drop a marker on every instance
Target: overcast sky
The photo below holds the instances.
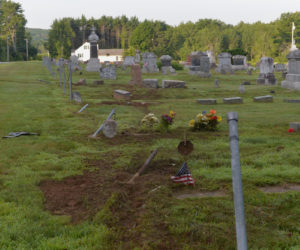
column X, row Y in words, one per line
column 41, row 13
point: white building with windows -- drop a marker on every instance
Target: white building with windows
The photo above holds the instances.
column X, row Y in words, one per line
column 110, row 55
column 104, row 55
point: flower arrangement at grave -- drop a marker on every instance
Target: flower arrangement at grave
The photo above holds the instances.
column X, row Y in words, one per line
column 206, row 121
column 149, row 120
column 167, row 120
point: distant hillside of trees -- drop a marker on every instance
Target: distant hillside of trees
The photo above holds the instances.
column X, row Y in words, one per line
column 39, row 37
column 254, row 40
column 13, row 33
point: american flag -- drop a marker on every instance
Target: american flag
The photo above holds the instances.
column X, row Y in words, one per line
column 183, row 176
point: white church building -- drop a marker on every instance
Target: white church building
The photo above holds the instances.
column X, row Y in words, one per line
column 104, row 55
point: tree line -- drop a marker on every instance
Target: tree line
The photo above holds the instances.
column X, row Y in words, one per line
column 253, row 40
column 13, row 33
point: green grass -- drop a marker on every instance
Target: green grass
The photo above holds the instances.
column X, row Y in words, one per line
column 61, row 150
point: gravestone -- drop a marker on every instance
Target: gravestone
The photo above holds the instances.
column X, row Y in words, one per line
column 109, row 72
column 98, row 82
column 93, row 64
column 149, row 60
column 292, row 100
column 267, row 98
column 76, row 97
column 136, row 75
column 122, row 95
column 242, row 89
column 295, row 126
column 81, row 82
column 166, row 67
column 266, row 75
column 280, row 67
column 206, row 101
column 137, row 56
column 128, row 61
column 224, row 63
column 217, row 84
column 173, row 84
column 233, row 100
column 292, row 80
column 200, row 64
column 239, row 62
column 74, row 63
column 246, row 83
column 150, row 83
column 110, row 128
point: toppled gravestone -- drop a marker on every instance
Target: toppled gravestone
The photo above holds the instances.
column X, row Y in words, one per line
column 206, row 101
column 267, row 98
column 122, row 95
column 150, row 83
column 233, row 100
column 173, row 84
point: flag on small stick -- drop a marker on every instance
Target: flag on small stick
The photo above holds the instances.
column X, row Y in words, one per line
column 183, row 176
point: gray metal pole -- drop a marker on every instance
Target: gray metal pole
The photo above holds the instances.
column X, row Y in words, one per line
column 26, row 49
column 70, row 76
column 101, row 127
column 7, row 49
column 83, row 108
column 64, row 77
column 240, row 226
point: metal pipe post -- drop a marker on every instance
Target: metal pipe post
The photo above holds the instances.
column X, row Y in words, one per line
column 70, row 77
column 240, row 226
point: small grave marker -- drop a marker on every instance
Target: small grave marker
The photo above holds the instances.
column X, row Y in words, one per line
column 267, row 98
column 233, row 100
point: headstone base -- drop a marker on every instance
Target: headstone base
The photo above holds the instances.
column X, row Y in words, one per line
column 93, row 65
column 267, row 79
column 292, row 82
column 168, row 70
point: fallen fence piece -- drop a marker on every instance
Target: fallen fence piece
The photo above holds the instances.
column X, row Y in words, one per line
column 142, row 169
column 102, row 125
column 17, row 134
column 83, row 108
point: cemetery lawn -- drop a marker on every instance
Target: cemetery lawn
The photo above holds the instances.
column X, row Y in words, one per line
column 65, row 190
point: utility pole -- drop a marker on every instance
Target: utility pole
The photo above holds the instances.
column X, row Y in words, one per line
column 7, row 48
column 26, row 49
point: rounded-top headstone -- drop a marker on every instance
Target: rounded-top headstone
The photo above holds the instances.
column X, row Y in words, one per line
column 93, row 37
column 166, row 60
column 110, row 128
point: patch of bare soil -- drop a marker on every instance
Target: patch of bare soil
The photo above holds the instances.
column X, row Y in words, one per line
column 280, row 189
column 203, row 194
column 81, row 197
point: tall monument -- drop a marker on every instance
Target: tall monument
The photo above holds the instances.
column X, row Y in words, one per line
column 293, row 40
column 93, row 64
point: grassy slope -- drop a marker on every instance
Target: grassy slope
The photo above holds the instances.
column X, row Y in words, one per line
column 272, row 220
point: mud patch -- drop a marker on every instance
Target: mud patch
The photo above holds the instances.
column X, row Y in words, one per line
column 201, row 195
column 82, row 196
column 280, row 189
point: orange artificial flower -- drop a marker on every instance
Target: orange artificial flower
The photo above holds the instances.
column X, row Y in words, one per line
column 212, row 111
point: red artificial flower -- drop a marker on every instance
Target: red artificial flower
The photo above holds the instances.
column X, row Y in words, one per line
column 214, row 118
column 291, row 130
